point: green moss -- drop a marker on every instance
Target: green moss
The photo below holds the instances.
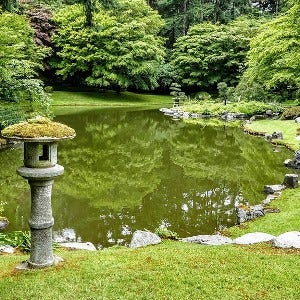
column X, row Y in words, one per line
column 38, row 127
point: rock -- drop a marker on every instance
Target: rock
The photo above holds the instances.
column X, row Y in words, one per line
column 253, row 238
column 269, row 199
column 268, row 137
column 291, row 180
column 79, row 246
column 287, row 240
column 7, row 249
column 271, row 189
column 208, row 240
column 144, row 238
column 295, row 162
column 297, row 120
column 277, row 135
column 246, row 213
column 195, row 115
column 65, row 235
column 269, row 113
column 3, row 223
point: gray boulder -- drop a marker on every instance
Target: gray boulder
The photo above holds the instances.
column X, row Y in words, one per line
column 79, row 246
column 208, row 239
column 291, row 180
column 144, row 238
column 297, row 120
column 246, row 213
column 287, row 240
column 271, row 189
column 277, row 135
column 253, row 238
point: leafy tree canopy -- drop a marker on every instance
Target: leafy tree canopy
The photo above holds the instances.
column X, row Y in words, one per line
column 20, row 59
column 213, row 53
column 274, row 59
column 121, row 50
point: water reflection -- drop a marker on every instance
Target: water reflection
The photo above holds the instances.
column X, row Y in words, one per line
column 129, row 170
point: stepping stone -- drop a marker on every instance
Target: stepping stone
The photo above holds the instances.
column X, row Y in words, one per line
column 287, row 240
column 253, row 238
column 144, row 238
column 215, row 240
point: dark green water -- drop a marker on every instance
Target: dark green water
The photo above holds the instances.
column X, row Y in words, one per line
column 129, row 170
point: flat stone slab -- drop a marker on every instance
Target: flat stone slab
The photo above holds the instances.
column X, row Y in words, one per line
column 144, row 238
column 79, row 246
column 289, row 239
column 215, row 240
column 253, row 238
column 271, row 189
column 7, row 249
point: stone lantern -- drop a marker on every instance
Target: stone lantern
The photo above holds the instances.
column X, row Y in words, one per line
column 40, row 137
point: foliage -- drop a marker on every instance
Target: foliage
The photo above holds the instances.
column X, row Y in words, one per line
column 19, row 60
column 291, row 113
column 10, row 114
column 17, row 239
column 121, row 50
column 181, row 15
column 274, row 60
column 213, row 53
column 166, row 233
column 216, row 108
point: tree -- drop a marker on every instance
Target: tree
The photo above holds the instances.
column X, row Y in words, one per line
column 180, row 15
column 274, row 60
column 212, row 53
column 122, row 49
column 20, row 59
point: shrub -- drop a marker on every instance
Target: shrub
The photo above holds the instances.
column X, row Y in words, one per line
column 17, row 239
column 291, row 113
column 165, row 233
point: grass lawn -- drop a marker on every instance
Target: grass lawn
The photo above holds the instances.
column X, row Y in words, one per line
column 108, row 98
column 171, row 270
column 287, row 127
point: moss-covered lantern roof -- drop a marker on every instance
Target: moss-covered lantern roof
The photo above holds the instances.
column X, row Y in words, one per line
column 38, row 129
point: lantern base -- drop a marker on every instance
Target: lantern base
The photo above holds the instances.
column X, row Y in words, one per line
column 26, row 265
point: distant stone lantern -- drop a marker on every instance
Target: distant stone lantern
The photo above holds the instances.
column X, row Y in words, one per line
column 40, row 137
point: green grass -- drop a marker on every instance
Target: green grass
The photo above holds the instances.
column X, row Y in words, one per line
column 217, row 108
column 108, row 98
column 275, row 223
column 287, row 127
column 172, row 270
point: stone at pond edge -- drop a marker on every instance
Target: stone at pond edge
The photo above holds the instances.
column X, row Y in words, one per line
column 3, row 223
column 291, row 180
column 287, row 240
column 79, row 246
column 7, row 249
column 253, row 238
column 271, row 189
column 246, row 213
column 208, row 240
column 144, row 238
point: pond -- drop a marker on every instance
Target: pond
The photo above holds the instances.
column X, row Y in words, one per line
column 138, row 169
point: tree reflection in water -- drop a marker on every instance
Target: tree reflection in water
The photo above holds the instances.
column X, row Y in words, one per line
column 129, row 170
